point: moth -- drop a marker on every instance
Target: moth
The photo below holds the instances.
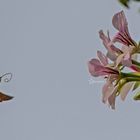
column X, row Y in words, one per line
column 5, row 97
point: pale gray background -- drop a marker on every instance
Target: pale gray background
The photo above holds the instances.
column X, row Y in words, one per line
column 46, row 45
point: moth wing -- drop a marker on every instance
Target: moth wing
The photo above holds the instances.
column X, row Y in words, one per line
column 4, row 97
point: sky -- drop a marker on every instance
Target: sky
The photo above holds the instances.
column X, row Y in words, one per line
column 46, row 44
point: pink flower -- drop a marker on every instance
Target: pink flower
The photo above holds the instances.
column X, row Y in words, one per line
column 115, row 54
column 110, row 90
column 129, row 46
column 100, row 68
column 117, row 82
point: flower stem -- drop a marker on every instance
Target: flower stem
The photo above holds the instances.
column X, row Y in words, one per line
column 131, row 74
column 136, row 63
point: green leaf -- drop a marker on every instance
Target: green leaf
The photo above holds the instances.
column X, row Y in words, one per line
column 124, row 3
column 136, row 85
column 137, row 96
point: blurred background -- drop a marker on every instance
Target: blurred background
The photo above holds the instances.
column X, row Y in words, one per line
column 46, row 44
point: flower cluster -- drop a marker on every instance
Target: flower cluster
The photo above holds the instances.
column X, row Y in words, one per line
column 111, row 65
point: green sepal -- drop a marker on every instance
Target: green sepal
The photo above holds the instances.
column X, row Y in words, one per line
column 124, row 3
column 137, row 96
column 136, row 85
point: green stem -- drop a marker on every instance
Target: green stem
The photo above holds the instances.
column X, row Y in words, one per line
column 123, row 81
column 135, row 63
column 131, row 74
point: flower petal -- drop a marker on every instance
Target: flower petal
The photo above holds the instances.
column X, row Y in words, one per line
column 112, row 98
column 125, row 89
column 112, row 50
column 95, row 68
column 127, row 60
column 119, row 22
column 119, row 60
column 107, row 91
column 105, row 39
column 111, row 56
column 128, row 51
column 102, row 58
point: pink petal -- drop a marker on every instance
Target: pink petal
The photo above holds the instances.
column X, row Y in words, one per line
column 112, row 50
column 112, row 98
column 119, row 22
column 95, row 68
column 127, row 56
column 111, row 56
column 125, row 89
column 107, row 91
column 119, row 60
column 127, row 51
column 116, row 50
column 105, row 39
column 127, row 60
column 95, row 61
column 102, row 58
